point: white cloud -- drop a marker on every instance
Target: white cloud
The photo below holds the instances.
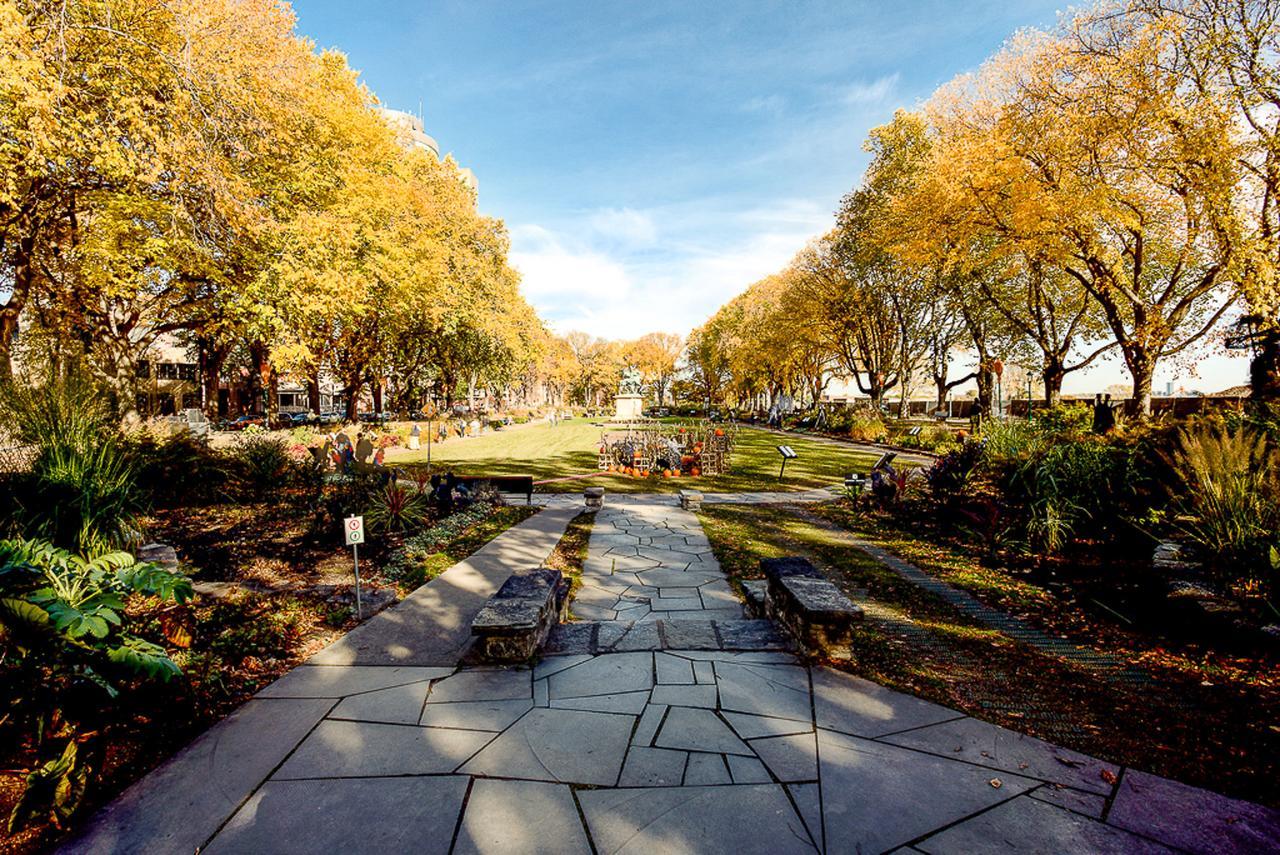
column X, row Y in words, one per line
column 624, row 225
column 765, row 104
column 874, row 92
column 578, row 278
column 552, row 273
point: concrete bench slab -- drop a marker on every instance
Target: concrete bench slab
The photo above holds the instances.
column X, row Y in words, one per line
column 812, row 609
column 519, row 617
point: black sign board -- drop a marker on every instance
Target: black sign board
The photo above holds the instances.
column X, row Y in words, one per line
column 787, row 453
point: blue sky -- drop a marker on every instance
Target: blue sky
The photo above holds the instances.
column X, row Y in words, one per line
column 653, row 159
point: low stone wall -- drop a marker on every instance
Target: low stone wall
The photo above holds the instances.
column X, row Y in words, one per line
column 809, row 607
column 519, row 617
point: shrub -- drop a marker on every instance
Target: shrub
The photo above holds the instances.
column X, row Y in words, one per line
column 342, row 497
column 87, row 500
column 81, row 492
column 936, row 438
column 1011, row 440
column 864, row 425
column 260, row 464
column 179, row 469
column 949, row 477
column 1065, row 482
column 1073, row 419
column 397, row 508
column 69, row 651
column 62, row 410
column 1229, row 496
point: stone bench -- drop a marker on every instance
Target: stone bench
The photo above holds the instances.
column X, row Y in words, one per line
column 809, row 607
column 691, row 500
column 519, row 617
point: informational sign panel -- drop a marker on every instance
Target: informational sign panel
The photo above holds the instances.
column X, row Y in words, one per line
column 353, row 527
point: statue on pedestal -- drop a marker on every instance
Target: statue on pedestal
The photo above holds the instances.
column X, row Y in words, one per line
column 629, row 402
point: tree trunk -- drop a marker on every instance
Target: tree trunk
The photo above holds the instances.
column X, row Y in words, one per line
column 877, row 393
column 23, row 275
column 377, row 395
column 1264, row 370
column 352, row 394
column 986, row 389
column 210, row 358
column 264, row 382
column 1142, row 367
column 313, row 391
column 1052, row 374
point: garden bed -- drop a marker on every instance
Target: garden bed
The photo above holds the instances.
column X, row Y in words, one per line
column 284, row 594
column 1206, row 715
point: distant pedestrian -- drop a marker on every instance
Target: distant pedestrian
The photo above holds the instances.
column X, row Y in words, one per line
column 1104, row 419
column 364, row 448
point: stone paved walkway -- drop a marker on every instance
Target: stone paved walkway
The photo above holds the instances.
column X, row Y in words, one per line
column 613, row 500
column 710, row 737
column 647, row 561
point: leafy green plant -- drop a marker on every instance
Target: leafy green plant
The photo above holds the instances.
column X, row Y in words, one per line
column 397, row 508
column 81, row 489
column 67, row 648
column 949, row 477
column 55, row 789
column 82, row 498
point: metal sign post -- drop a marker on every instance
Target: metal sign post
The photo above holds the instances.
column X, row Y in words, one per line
column 353, row 529
column 787, row 454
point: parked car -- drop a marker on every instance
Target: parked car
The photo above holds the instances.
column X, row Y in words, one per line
column 245, row 421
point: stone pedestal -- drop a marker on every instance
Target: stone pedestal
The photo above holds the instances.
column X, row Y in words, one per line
column 594, row 498
column 628, row 407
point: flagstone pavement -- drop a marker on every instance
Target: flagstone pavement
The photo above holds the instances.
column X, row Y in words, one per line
column 662, row 721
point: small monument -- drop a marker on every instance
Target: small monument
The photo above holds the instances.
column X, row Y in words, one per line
column 628, row 404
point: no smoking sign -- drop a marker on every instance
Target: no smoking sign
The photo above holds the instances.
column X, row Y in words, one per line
column 353, row 527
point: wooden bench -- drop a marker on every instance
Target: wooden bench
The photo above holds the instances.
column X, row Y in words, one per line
column 517, row 619
column 502, row 483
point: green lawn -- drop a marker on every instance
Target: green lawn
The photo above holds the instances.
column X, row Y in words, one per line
column 571, row 449
column 1192, row 719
